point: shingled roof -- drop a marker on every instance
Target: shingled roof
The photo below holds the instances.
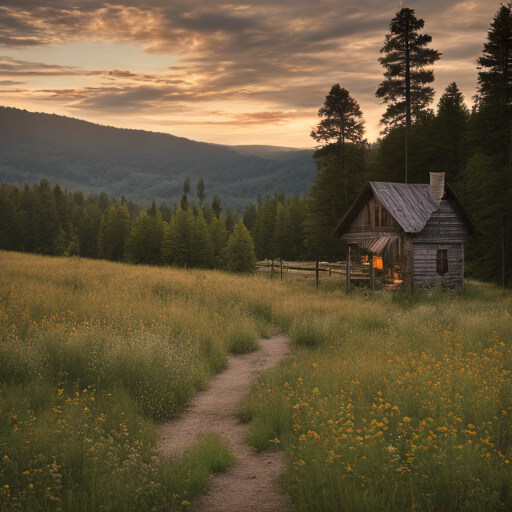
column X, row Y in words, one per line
column 410, row 205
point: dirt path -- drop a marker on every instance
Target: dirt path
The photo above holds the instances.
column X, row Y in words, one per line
column 250, row 484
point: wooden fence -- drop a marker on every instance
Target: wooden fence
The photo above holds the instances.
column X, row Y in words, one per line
column 276, row 269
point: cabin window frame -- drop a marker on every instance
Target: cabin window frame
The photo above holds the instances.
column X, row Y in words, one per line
column 442, row 266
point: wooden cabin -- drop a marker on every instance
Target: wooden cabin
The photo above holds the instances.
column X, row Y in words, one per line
column 419, row 231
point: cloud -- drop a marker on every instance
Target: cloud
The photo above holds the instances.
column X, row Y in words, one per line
column 10, row 82
column 14, row 67
column 267, row 57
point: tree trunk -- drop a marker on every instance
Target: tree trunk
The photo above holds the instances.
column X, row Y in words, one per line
column 407, row 98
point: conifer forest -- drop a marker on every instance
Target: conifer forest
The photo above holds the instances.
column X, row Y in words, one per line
column 473, row 146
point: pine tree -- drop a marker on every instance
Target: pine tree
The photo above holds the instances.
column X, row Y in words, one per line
column 240, row 253
column 87, row 231
column 492, row 123
column 451, row 125
column 8, row 235
column 115, row 227
column 283, row 233
column 144, row 244
column 200, row 188
column 201, row 243
column 216, row 206
column 186, row 186
column 263, row 231
column 49, row 220
column 176, row 243
column 325, row 205
column 405, row 88
column 297, row 209
column 231, row 220
column 494, row 98
column 341, row 123
column 219, row 237
column 250, row 216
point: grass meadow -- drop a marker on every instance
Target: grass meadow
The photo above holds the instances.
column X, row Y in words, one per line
column 388, row 402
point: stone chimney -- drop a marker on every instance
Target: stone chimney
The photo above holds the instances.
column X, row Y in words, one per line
column 437, row 185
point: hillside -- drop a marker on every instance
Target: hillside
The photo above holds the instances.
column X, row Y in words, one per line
column 141, row 165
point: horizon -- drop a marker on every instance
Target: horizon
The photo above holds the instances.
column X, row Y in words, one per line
column 234, row 75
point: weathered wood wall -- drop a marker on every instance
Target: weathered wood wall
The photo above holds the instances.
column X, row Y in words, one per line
column 425, row 262
column 447, row 230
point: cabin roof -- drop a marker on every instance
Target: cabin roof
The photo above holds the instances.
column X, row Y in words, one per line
column 410, row 205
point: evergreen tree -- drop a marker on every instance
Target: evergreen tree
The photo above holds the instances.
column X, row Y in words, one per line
column 200, row 188
column 216, row 206
column 263, row 233
column 231, row 220
column 87, row 231
column 219, row 237
column 103, row 202
column 176, row 244
column 30, row 220
column 341, row 123
column 283, row 233
column 186, row 186
column 426, row 153
column 184, row 202
column 115, row 227
column 405, row 88
column 451, row 125
column 62, row 206
column 485, row 189
column 144, row 244
column 202, row 250
column 48, row 218
column 250, row 216
column 297, row 209
column 166, row 212
column 494, row 98
column 325, row 204
column 8, row 235
column 240, row 253
column 492, row 125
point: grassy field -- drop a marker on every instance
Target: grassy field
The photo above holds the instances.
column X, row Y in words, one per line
column 389, row 402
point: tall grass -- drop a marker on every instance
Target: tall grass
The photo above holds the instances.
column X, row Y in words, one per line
column 92, row 353
column 394, row 403
column 389, row 401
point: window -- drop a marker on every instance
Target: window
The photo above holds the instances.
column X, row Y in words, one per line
column 442, row 262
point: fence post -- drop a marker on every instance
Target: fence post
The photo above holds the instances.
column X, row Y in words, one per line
column 272, row 270
column 317, row 272
column 347, row 274
column 281, row 268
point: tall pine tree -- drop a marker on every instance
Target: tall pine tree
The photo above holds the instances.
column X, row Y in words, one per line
column 341, row 123
column 405, row 88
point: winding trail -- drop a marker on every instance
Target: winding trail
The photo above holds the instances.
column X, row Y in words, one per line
column 251, row 483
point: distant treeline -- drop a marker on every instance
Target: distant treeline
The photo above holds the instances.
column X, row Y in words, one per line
column 48, row 220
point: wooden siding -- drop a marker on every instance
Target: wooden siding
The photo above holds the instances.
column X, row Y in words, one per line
column 445, row 225
column 373, row 218
column 425, row 258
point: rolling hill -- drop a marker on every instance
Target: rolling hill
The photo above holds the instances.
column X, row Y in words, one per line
column 141, row 165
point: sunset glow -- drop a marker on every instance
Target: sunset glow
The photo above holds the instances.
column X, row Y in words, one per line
column 251, row 73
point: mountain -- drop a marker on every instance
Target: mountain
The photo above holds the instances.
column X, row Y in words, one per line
column 141, row 165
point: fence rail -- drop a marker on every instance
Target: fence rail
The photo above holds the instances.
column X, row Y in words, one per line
column 364, row 272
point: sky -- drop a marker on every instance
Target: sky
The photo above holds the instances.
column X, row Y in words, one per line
column 254, row 72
